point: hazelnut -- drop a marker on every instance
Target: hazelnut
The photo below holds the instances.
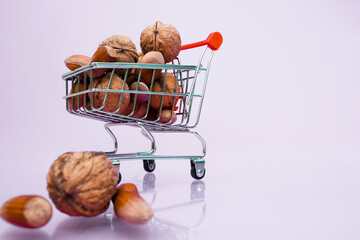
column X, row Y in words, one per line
column 130, row 207
column 167, row 116
column 75, row 61
column 147, row 75
column 139, row 87
column 29, row 211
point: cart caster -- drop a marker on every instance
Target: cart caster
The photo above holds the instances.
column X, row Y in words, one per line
column 119, row 178
column 197, row 168
column 149, row 165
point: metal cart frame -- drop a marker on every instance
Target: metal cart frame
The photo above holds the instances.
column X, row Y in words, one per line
column 187, row 103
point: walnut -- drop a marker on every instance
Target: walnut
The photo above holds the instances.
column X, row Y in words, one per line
column 171, row 86
column 123, row 48
column 163, row 38
column 113, row 103
column 82, row 183
column 116, row 48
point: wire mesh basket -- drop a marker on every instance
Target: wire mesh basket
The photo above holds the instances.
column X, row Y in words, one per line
column 170, row 101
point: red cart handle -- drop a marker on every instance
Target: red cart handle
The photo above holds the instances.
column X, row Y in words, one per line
column 213, row 41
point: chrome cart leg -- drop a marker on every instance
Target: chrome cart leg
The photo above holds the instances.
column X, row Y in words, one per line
column 114, row 155
column 116, row 163
column 197, row 170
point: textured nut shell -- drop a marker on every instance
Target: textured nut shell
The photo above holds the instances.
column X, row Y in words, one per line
column 121, row 48
column 102, row 54
column 75, row 61
column 140, row 54
column 113, row 98
column 151, row 57
column 82, row 183
column 171, row 84
column 163, row 38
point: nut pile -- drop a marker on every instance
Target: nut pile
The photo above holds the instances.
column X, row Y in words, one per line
column 160, row 44
column 85, row 183
column 79, row 184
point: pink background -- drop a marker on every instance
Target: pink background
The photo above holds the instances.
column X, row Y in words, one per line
column 280, row 118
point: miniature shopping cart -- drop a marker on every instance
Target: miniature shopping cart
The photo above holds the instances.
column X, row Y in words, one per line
column 186, row 102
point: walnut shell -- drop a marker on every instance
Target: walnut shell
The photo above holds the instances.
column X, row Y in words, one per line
column 163, row 38
column 102, row 54
column 171, row 86
column 82, row 183
column 122, row 49
column 112, row 98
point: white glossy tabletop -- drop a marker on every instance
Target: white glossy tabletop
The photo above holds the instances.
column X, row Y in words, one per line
column 280, row 118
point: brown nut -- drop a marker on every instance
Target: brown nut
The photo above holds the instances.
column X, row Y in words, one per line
column 167, row 116
column 165, row 83
column 102, row 54
column 151, row 114
column 131, row 78
column 130, row 207
column 138, row 111
column 116, row 102
column 122, row 49
column 29, row 211
column 140, row 87
column 82, row 183
column 77, row 102
column 147, row 75
column 140, row 54
column 163, row 38
column 75, row 61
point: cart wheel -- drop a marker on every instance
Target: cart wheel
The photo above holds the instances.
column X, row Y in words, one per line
column 149, row 165
column 197, row 174
column 119, row 177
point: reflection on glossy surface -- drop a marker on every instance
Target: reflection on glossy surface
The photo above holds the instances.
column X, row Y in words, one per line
column 108, row 226
column 197, row 200
column 149, row 181
column 197, row 190
column 16, row 233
